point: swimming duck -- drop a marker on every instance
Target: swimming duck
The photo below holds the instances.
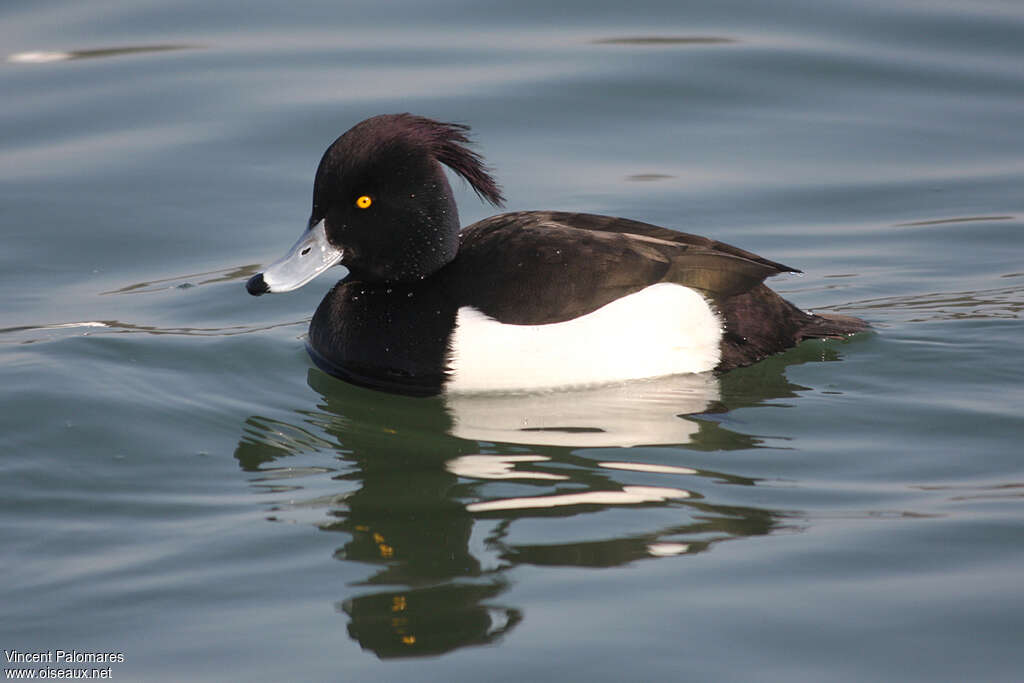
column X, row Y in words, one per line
column 518, row 301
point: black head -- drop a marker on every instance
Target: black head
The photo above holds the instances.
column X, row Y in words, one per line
column 385, row 201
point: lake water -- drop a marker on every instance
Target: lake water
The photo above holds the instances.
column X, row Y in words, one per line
column 180, row 485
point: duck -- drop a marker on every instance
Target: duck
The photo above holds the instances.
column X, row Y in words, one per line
column 520, row 301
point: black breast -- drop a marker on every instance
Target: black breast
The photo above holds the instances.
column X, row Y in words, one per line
column 391, row 337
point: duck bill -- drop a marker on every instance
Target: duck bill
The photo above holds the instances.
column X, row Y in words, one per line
column 309, row 257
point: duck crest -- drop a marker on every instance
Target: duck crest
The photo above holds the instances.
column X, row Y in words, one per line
column 445, row 142
column 448, row 142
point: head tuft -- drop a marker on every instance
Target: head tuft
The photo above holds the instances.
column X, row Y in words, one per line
column 447, row 143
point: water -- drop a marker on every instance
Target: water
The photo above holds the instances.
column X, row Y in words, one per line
column 180, row 485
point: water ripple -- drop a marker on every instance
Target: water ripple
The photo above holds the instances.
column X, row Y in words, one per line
column 986, row 304
column 665, row 40
column 47, row 56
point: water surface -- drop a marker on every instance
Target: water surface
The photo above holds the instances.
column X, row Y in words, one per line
column 181, row 485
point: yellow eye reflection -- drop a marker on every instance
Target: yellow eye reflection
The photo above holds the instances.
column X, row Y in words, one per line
column 364, row 202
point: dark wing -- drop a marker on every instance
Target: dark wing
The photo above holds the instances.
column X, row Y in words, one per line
column 589, row 221
column 538, row 267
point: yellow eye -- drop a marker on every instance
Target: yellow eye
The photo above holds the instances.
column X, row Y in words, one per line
column 364, row 202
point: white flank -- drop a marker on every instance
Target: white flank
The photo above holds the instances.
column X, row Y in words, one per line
column 665, row 329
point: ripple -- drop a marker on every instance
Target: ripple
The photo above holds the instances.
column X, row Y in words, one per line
column 285, row 438
column 498, row 467
column 648, row 177
column 629, row 495
column 985, row 304
column 965, row 219
column 31, row 334
column 185, row 281
column 988, row 492
column 47, row 56
column 665, row 40
column 646, row 467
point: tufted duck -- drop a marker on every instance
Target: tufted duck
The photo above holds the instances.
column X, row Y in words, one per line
column 519, row 301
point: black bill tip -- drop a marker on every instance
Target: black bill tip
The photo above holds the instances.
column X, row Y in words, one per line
column 257, row 285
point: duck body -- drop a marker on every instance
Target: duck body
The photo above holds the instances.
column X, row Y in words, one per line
column 518, row 301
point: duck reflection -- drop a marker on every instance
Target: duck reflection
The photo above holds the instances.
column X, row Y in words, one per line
column 443, row 497
column 625, row 414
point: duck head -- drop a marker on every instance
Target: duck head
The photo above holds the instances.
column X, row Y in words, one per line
column 382, row 205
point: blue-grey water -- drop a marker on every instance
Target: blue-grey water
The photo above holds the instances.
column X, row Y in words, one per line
column 178, row 483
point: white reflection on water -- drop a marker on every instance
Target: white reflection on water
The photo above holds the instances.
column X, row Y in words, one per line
column 482, row 466
column 644, row 412
column 645, row 467
column 667, row 549
column 47, row 56
column 39, row 57
column 629, row 495
column 497, row 467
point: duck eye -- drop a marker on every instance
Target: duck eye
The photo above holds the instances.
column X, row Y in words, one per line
column 364, row 202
